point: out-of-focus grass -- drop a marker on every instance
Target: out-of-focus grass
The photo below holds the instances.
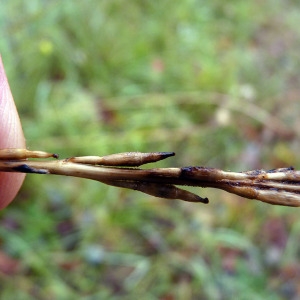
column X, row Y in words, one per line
column 98, row 77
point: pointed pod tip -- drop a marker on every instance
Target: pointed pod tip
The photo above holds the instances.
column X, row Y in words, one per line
column 204, row 200
column 166, row 154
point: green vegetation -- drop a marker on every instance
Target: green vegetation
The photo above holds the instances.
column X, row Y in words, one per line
column 217, row 82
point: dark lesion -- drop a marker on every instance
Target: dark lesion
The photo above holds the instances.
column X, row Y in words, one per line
column 24, row 168
column 281, row 170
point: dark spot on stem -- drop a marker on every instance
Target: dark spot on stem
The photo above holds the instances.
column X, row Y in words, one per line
column 26, row 169
column 204, row 200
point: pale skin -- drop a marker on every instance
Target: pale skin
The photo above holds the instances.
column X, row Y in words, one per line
column 11, row 136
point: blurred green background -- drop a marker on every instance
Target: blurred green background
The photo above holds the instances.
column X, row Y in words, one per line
column 217, row 82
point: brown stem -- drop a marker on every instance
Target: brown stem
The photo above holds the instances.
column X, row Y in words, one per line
column 281, row 186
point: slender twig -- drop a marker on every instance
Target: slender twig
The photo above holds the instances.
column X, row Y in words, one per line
column 278, row 186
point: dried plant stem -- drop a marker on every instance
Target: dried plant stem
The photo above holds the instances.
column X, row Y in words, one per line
column 279, row 186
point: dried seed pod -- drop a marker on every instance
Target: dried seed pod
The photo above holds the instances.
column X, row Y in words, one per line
column 167, row 191
column 129, row 159
column 16, row 154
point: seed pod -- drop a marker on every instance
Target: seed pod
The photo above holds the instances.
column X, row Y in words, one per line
column 15, row 154
column 167, row 191
column 129, row 159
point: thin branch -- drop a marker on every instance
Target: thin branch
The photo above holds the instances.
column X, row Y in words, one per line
column 278, row 186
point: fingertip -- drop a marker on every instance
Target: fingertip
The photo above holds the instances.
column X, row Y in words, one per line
column 11, row 136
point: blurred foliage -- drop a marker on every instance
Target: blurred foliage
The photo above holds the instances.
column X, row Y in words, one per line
column 217, row 82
